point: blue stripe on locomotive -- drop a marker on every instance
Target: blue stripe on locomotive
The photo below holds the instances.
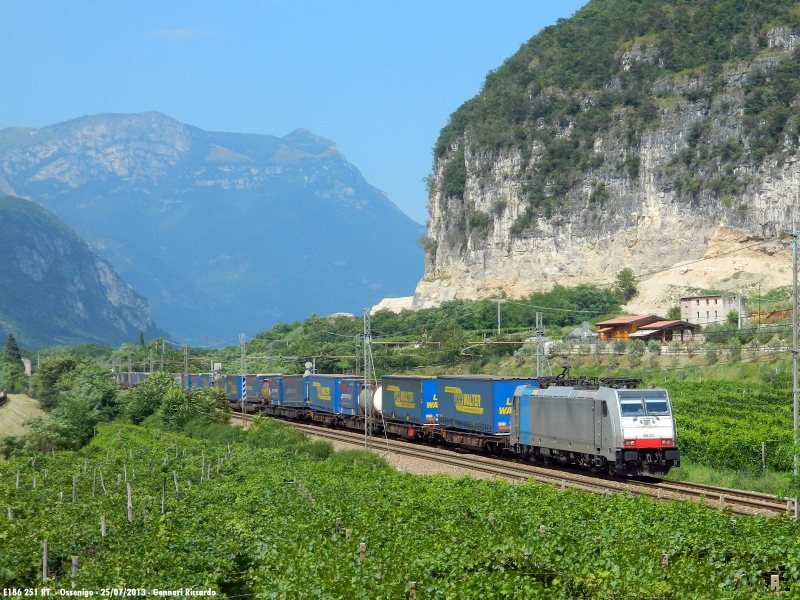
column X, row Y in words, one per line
column 410, row 400
column 479, row 404
column 523, row 422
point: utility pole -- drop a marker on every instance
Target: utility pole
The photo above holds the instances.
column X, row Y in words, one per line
column 498, row 318
column 163, row 342
column 243, row 346
column 185, row 364
column 539, row 348
column 794, row 362
column 270, row 358
column 358, row 354
column 368, row 368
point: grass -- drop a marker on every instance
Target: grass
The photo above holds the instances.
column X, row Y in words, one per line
column 767, row 483
column 19, row 409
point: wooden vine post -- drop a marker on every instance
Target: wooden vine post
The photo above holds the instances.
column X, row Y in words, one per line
column 45, row 573
column 130, row 506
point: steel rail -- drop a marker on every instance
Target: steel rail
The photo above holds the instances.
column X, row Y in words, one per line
column 740, row 501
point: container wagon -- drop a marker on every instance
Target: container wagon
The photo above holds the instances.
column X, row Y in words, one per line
column 476, row 410
column 410, row 406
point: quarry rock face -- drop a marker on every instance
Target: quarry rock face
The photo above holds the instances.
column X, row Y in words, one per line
column 657, row 213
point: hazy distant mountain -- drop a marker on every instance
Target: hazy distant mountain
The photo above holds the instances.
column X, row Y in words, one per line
column 55, row 290
column 223, row 232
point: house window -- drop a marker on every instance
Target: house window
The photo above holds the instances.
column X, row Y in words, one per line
column 698, row 314
column 715, row 300
column 706, row 314
column 708, row 301
column 715, row 314
column 698, row 304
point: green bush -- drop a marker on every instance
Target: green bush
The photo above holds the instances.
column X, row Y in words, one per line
column 636, row 350
column 144, row 400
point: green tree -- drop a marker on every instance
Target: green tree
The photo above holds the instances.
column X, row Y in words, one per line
column 50, row 371
column 625, row 286
column 12, row 370
column 619, row 346
column 141, row 339
column 735, row 349
column 12, row 350
column 711, row 353
column 636, row 350
column 144, row 400
column 732, row 318
column 674, row 313
column 179, row 408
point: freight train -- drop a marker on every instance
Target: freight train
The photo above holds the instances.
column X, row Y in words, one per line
column 620, row 430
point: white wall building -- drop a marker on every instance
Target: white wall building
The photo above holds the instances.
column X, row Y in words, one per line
column 706, row 310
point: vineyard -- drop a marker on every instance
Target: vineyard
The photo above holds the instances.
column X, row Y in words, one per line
column 722, row 424
column 268, row 514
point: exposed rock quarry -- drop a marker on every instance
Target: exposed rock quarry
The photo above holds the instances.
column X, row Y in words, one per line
column 646, row 202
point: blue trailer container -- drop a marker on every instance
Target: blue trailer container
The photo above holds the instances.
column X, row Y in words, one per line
column 410, row 399
column 232, row 386
column 482, row 404
column 323, row 392
column 251, row 390
column 198, row 380
column 272, row 390
column 295, row 391
column 347, row 393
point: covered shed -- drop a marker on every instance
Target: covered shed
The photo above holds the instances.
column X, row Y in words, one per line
column 621, row 328
column 664, row 331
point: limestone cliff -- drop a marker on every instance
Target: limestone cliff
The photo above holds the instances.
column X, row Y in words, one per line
column 611, row 141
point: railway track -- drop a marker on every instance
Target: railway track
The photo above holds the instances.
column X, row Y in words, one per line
column 740, row 501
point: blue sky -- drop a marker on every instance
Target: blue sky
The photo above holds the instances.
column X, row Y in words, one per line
column 379, row 78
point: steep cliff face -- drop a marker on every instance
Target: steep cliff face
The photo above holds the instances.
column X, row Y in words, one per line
column 54, row 290
column 223, row 232
column 566, row 170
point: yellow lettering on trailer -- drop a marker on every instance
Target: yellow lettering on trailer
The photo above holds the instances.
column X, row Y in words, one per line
column 323, row 392
column 466, row 403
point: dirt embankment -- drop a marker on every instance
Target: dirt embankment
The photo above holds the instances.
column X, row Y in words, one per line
column 16, row 411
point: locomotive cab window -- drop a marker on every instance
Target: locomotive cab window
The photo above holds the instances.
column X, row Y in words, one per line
column 631, row 407
column 653, row 403
column 657, row 407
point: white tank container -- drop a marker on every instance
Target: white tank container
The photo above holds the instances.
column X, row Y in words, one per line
column 377, row 399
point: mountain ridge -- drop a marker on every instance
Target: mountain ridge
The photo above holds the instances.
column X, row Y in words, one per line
column 223, row 232
column 56, row 290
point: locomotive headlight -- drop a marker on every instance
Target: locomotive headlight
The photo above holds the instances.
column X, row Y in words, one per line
column 666, row 442
column 630, row 442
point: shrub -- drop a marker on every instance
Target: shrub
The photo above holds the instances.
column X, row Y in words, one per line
column 618, row 346
column 711, row 353
column 636, row 350
column 735, row 350
column 143, row 401
column 654, row 347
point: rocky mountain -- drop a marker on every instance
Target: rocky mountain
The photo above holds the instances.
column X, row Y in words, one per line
column 637, row 133
column 54, row 290
column 223, row 232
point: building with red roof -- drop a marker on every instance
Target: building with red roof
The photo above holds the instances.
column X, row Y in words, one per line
column 643, row 327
